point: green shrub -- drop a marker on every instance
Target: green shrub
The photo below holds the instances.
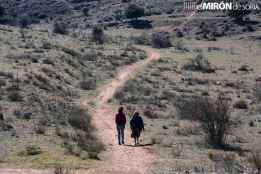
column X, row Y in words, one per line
column 15, row 96
column 33, row 150
column 134, row 11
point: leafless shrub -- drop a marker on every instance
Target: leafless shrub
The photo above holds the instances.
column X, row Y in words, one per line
column 81, row 121
column 213, row 114
column 215, row 119
column 199, row 63
column 161, row 40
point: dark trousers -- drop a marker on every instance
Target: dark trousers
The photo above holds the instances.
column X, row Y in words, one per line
column 120, row 130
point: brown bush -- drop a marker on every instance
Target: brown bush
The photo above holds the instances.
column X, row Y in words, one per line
column 213, row 114
column 215, row 119
column 81, row 120
column 161, row 40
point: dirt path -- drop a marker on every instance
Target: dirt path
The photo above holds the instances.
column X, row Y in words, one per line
column 120, row 159
column 116, row 159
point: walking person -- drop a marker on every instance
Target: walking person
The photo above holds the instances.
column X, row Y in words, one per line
column 120, row 120
column 137, row 125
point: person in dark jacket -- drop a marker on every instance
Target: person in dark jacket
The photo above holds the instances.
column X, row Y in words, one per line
column 137, row 125
column 120, row 120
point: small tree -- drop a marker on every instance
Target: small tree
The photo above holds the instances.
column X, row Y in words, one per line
column 215, row 119
column 98, row 35
column 212, row 113
column 134, row 11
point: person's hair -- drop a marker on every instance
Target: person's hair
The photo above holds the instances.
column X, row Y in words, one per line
column 136, row 114
column 121, row 109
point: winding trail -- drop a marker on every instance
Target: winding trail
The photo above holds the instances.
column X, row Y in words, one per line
column 119, row 159
column 116, row 159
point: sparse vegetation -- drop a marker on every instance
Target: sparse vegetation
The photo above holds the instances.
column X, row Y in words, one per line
column 80, row 119
column 215, row 119
column 199, row 63
column 213, row 114
column 161, row 40
column 53, row 52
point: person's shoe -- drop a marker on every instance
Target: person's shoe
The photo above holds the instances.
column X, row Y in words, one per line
column 119, row 143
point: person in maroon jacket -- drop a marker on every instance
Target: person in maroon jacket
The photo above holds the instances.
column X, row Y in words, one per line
column 120, row 120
